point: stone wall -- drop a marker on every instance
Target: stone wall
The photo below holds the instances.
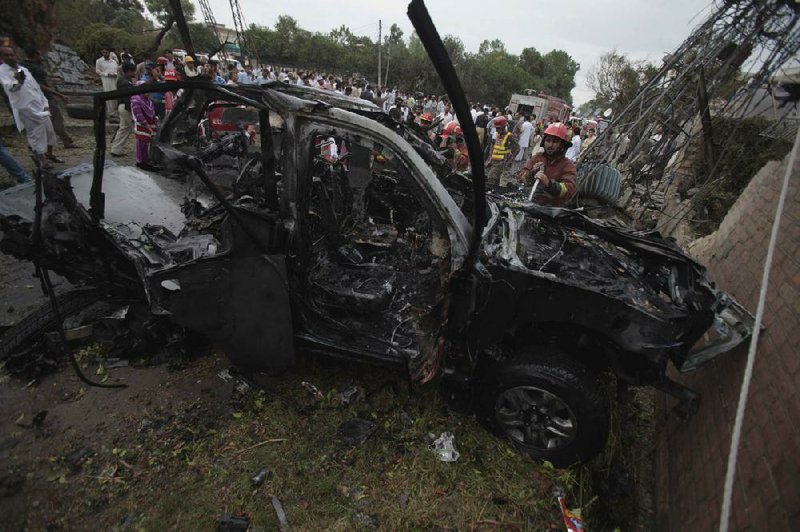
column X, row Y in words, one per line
column 691, row 456
column 67, row 70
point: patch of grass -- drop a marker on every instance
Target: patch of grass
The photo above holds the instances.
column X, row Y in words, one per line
column 183, row 466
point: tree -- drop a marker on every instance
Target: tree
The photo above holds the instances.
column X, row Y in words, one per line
column 161, row 12
column 341, row 36
column 29, row 23
column 616, row 79
column 98, row 36
column 495, row 46
column 560, row 70
column 455, row 49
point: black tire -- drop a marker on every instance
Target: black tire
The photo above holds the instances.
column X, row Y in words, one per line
column 80, row 111
column 550, row 407
column 43, row 320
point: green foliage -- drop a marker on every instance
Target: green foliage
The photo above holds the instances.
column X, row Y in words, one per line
column 74, row 16
column 98, row 36
column 742, row 151
column 489, row 76
column 161, row 11
column 203, row 38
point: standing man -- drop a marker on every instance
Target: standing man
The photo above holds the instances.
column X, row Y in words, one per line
column 481, row 121
column 189, row 68
column 591, row 135
column 556, row 174
column 35, row 66
column 574, row 150
column 525, row 132
column 118, row 145
column 29, row 106
column 502, row 149
column 106, row 68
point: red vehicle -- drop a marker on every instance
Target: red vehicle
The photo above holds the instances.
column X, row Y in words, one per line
column 223, row 118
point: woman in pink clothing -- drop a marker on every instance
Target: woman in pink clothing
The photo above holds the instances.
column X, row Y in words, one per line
column 144, row 115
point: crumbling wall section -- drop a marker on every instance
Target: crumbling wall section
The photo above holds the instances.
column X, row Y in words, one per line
column 691, row 456
column 67, row 70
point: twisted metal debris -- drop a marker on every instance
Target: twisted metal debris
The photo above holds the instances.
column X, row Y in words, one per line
column 753, row 36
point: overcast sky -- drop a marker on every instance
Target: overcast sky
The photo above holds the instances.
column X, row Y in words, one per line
column 585, row 29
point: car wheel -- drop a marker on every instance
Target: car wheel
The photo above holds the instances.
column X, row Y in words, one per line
column 550, row 408
column 35, row 324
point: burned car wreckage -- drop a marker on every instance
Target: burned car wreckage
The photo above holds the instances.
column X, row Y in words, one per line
column 265, row 242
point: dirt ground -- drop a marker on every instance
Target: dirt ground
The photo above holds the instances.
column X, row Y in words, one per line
column 176, row 449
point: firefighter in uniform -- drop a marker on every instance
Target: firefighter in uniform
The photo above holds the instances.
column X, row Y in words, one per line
column 502, row 152
column 556, row 174
column 453, row 146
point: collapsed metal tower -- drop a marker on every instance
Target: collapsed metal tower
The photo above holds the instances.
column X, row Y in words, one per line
column 239, row 25
column 208, row 16
column 741, row 37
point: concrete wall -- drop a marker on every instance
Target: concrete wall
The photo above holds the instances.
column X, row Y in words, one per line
column 691, row 456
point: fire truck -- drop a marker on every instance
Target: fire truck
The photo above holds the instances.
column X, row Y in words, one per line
column 540, row 104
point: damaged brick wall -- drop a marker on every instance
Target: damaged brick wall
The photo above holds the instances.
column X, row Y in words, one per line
column 691, row 456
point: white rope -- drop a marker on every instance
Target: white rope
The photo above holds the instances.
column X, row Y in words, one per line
column 730, row 474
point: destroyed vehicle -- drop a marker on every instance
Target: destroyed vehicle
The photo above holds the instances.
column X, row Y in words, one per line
column 332, row 229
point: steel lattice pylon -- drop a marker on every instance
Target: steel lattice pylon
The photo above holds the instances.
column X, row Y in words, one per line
column 239, row 25
column 756, row 37
column 208, row 16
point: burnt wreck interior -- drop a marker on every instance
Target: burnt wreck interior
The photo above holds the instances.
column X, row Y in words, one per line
column 248, row 207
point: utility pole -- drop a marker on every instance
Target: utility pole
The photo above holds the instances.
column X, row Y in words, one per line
column 388, row 57
column 379, row 56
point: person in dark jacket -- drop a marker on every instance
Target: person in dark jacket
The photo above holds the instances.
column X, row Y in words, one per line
column 123, row 134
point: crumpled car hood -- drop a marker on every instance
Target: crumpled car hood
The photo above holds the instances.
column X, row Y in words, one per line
column 642, row 269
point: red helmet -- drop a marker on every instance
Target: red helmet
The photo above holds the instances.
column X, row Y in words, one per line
column 425, row 117
column 452, row 128
column 558, row 130
column 162, row 60
column 500, row 121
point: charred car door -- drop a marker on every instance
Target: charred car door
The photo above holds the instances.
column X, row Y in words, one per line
column 380, row 240
column 223, row 273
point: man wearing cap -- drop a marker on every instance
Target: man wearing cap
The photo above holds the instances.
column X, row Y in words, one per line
column 503, row 148
column 106, row 68
column 213, row 73
column 556, row 174
column 189, row 68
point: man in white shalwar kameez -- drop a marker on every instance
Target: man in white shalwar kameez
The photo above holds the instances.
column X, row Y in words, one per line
column 526, row 129
column 29, row 105
column 108, row 69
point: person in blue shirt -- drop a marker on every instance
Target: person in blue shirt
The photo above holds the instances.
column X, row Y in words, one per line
column 213, row 73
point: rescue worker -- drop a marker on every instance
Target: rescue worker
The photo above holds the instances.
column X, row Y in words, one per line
column 454, row 147
column 503, row 148
column 426, row 125
column 189, row 69
column 556, row 174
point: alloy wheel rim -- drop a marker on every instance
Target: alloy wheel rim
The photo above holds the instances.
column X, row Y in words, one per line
column 535, row 417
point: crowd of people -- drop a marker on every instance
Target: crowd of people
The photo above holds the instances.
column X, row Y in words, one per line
column 517, row 148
